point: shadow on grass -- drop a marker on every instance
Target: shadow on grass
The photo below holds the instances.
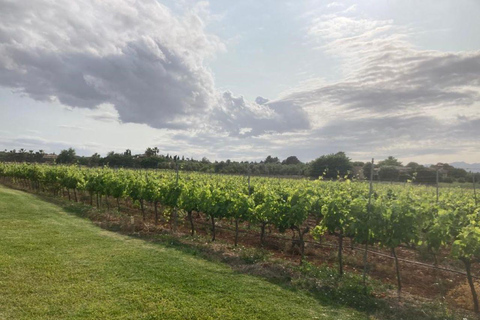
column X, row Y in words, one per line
column 322, row 283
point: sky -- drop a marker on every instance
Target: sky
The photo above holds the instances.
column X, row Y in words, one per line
column 241, row 80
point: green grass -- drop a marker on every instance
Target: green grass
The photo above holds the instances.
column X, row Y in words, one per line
column 56, row 265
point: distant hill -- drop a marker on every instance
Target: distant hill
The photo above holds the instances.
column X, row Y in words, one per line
column 474, row 167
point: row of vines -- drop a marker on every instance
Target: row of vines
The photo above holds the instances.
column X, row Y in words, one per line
column 389, row 217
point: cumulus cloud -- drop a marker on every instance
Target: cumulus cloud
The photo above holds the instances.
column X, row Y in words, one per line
column 137, row 56
column 243, row 118
column 261, row 100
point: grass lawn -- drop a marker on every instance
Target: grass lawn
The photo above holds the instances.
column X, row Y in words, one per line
column 55, row 265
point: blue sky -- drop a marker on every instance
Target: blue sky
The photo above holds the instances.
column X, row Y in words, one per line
column 371, row 78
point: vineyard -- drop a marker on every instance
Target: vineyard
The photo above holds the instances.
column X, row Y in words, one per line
column 387, row 217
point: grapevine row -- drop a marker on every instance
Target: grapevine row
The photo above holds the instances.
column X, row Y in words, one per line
column 389, row 217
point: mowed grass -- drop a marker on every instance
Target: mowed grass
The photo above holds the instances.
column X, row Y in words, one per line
column 55, row 265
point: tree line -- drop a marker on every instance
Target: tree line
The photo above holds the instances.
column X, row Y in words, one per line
column 331, row 166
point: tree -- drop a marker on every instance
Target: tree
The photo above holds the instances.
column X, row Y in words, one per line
column 152, row 152
column 270, row 159
column 38, row 157
column 388, row 173
column 67, row 156
column 367, row 168
column 330, row 166
column 94, row 160
column 291, row 160
column 390, row 161
column 413, row 165
column 358, row 163
column 425, row 175
column 458, row 173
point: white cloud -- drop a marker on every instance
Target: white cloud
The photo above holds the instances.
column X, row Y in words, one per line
column 393, row 97
column 72, row 127
column 267, row 117
column 137, row 56
column 134, row 55
column 335, row 5
column 385, row 74
column 105, row 113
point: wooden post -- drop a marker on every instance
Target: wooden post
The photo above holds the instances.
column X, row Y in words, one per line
column 474, row 189
column 175, row 213
column 365, row 254
column 437, row 185
column 249, row 193
column 176, row 169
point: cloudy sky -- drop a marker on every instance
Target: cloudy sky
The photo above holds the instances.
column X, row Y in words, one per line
column 243, row 79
